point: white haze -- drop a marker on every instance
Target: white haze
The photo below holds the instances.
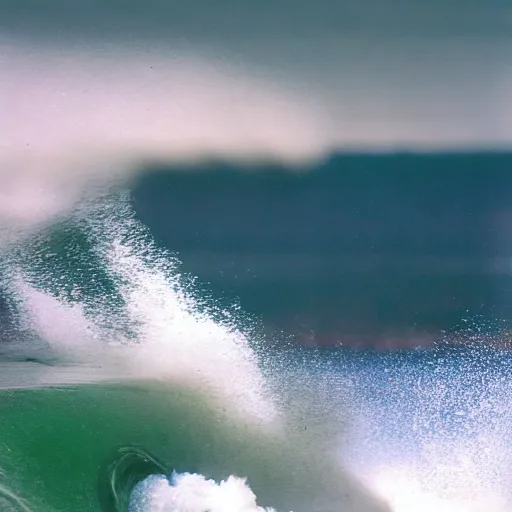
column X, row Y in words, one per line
column 76, row 115
column 69, row 119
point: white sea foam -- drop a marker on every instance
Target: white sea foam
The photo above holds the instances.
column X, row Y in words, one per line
column 162, row 332
column 405, row 491
column 435, row 436
column 193, row 493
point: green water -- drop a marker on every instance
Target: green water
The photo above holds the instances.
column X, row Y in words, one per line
column 57, row 442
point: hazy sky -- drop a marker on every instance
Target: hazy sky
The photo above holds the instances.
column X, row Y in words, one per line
column 388, row 73
column 277, row 18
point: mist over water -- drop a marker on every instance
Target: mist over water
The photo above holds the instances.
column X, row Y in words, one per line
column 97, row 96
column 76, row 119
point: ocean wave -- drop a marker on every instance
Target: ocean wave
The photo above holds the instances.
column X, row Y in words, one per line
column 128, row 308
column 194, row 388
column 110, row 306
column 88, row 288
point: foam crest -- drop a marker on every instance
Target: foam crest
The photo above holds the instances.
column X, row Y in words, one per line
column 176, row 339
column 149, row 327
column 193, row 493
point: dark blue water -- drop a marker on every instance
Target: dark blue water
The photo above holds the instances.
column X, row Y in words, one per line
column 378, row 250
